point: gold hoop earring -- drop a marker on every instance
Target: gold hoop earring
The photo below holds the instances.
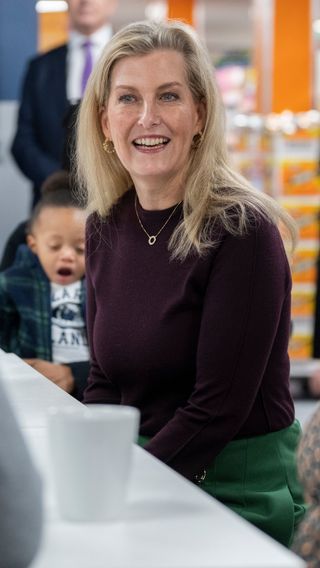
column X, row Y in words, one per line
column 108, row 146
column 197, row 140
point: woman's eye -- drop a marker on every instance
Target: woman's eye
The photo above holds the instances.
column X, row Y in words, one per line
column 169, row 97
column 127, row 98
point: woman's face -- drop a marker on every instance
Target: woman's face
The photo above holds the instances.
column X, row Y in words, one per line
column 151, row 117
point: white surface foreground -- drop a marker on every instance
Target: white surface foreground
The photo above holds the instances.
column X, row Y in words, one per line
column 169, row 522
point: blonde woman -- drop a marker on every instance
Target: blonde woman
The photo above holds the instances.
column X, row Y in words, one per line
column 188, row 280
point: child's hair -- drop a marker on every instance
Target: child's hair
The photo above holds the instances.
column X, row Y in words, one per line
column 56, row 191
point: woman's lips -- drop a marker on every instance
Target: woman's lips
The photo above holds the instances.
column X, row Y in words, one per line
column 150, row 143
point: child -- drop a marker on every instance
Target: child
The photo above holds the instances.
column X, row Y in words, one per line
column 42, row 293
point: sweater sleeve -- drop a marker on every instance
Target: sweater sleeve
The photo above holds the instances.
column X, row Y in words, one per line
column 20, row 494
column 100, row 389
column 80, row 373
column 249, row 282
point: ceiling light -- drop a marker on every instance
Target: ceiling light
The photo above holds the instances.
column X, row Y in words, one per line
column 43, row 6
column 156, row 11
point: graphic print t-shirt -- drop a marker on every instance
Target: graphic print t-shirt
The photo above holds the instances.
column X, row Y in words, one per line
column 68, row 332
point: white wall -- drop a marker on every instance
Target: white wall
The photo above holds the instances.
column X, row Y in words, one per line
column 15, row 189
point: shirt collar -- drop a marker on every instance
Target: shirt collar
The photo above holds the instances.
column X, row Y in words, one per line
column 99, row 38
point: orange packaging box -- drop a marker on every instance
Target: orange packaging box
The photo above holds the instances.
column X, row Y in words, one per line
column 306, row 216
column 302, row 303
column 300, row 346
column 304, row 266
column 299, row 177
column 301, row 341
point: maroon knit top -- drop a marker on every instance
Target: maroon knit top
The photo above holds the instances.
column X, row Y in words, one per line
column 199, row 346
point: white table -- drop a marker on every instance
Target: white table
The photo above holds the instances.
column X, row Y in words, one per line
column 170, row 523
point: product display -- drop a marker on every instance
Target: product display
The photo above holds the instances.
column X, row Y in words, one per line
column 280, row 155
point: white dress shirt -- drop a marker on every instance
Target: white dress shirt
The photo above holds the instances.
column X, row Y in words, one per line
column 75, row 58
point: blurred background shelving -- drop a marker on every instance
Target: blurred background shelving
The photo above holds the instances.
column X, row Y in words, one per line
column 266, row 55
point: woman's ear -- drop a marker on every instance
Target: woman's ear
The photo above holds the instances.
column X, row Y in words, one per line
column 104, row 123
column 202, row 113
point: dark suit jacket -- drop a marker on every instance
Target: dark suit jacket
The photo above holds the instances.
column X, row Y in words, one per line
column 39, row 142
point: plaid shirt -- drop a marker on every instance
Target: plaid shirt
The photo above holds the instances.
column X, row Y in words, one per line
column 25, row 307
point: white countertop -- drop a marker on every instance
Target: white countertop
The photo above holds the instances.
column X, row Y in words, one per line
column 169, row 523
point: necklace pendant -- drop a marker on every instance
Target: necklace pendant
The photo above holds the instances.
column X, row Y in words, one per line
column 152, row 239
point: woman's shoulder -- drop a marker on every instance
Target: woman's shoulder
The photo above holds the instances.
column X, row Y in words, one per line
column 259, row 249
column 254, row 224
column 95, row 220
column 261, row 225
column 261, row 239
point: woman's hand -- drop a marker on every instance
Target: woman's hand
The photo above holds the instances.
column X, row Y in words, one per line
column 59, row 374
column 314, row 383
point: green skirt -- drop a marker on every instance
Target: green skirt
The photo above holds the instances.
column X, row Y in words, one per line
column 256, row 477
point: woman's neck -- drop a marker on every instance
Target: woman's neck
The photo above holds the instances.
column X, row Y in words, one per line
column 153, row 197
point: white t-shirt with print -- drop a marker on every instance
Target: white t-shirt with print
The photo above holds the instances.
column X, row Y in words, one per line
column 68, row 332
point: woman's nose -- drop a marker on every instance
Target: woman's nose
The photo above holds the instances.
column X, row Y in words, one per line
column 149, row 115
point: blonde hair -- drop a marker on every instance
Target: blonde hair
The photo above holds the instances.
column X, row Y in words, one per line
column 215, row 195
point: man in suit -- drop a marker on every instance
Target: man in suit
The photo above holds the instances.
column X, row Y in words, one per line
column 52, row 88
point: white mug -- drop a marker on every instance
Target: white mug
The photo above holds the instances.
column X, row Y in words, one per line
column 90, row 449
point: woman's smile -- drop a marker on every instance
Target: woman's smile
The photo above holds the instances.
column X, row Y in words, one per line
column 151, row 144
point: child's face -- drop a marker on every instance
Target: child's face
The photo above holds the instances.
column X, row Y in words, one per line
column 58, row 240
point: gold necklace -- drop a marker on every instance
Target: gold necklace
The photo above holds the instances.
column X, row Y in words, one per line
column 152, row 238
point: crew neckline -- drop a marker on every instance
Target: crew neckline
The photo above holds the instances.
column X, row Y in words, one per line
column 157, row 212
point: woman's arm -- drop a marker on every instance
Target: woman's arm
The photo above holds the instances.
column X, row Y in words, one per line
column 99, row 388
column 246, row 301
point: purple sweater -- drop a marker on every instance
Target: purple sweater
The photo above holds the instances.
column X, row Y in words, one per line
column 199, row 346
